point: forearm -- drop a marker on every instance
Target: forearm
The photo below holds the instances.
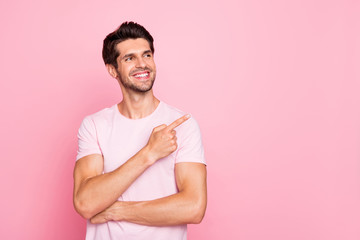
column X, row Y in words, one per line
column 97, row 193
column 177, row 209
column 173, row 210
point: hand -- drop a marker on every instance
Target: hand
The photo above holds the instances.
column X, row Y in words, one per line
column 162, row 141
column 112, row 213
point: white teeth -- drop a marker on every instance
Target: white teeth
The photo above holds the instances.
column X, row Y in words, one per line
column 141, row 75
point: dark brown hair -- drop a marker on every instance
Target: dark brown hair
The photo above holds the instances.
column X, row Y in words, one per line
column 127, row 30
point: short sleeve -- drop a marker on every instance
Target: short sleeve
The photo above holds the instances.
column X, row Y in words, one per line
column 190, row 148
column 87, row 139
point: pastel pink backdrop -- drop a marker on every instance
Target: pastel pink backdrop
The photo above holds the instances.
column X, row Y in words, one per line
column 273, row 84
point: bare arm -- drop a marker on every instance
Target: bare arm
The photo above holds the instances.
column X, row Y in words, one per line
column 186, row 206
column 94, row 191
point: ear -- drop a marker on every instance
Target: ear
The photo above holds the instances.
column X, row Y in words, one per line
column 112, row 71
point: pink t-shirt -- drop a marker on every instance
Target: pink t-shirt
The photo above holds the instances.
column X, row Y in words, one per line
column 118, row 138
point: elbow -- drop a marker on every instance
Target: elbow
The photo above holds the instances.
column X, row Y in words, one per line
column 198, row 213
column 197, row 217
column 83, row 209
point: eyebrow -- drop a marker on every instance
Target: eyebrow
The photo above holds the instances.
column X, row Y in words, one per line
column 132, row 54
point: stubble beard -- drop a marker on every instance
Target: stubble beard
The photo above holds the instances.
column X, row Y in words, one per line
column 140, row 89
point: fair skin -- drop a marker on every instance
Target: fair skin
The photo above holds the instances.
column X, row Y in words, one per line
column 96, row 194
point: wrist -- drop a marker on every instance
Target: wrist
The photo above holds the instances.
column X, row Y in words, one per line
column 125, row 211
column 147, row 155
column 116, row 212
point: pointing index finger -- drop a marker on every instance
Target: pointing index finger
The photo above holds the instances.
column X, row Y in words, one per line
column 178, row 122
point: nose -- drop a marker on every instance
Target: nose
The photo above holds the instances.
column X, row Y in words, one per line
column 140, row 63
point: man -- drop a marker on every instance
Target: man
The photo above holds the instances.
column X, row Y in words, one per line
column 136, row 177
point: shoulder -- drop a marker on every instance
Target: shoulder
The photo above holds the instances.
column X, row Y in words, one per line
column 190, row 147
column 173, row 111
column 189, row 126
column 101, row 116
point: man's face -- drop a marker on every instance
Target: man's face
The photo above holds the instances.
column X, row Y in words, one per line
column 136, row 67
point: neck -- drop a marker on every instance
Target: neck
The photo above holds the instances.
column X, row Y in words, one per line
column 138, row 105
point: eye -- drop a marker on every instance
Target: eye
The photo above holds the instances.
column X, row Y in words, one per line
column 128, row 59
column 147, row 55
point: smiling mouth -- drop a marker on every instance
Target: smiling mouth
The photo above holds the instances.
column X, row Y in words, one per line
column 141, row 75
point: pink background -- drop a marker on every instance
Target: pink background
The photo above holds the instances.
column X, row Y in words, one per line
column 274, row 85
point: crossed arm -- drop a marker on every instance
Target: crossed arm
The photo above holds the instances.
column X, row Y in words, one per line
column 186, row 206
column 96, row 194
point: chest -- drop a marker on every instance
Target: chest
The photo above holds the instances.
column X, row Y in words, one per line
column 119, row 143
